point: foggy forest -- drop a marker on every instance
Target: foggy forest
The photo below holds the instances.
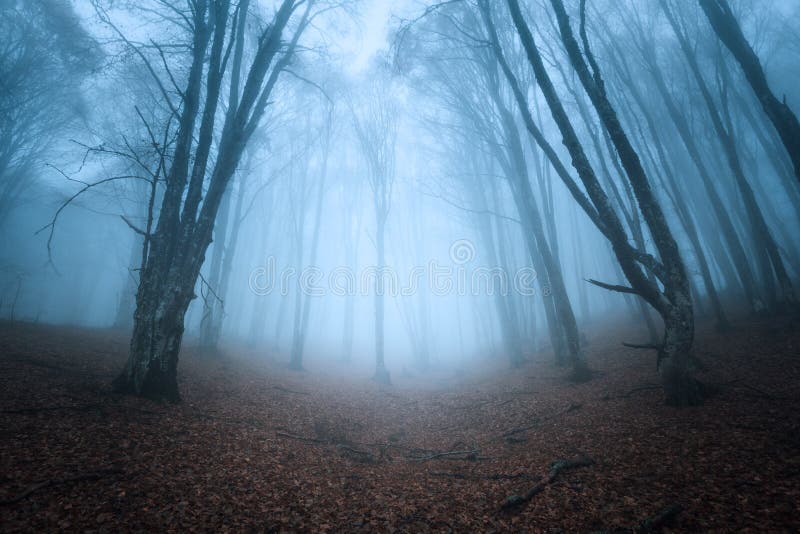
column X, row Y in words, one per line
column 400, row 265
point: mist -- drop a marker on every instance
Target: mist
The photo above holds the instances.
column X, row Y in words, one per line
column 396, row 205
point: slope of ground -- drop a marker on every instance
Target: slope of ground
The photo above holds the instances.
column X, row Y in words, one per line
column 255, row 447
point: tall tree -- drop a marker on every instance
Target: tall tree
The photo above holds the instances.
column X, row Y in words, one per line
column 769, row 257
column 300, row 332
column 45, row 54
column 375, row 124
column 671, row 297
column 196, row 181
column 727, row 28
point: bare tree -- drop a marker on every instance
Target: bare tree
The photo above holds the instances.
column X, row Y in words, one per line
column 375, row 125
column 303, row 301
column 769, row 257
column 671, row 297
column 195, row 182
column 45, row 53
column 727, row 28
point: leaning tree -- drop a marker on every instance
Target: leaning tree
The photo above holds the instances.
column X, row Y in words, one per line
column 727, row 28
column 667, row 290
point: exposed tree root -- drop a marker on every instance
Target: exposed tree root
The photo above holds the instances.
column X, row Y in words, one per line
column 96, row 475
column 515, row 501
column 520, row 430
column 414, row 455
column 357, row 454
column 653, row 524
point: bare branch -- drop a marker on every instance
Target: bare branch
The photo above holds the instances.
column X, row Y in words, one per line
column 133, row 226
column 613, row 287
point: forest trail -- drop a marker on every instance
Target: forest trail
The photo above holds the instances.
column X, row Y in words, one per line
column 253, row 446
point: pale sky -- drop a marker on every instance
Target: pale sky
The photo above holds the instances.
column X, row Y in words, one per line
column 373, row 34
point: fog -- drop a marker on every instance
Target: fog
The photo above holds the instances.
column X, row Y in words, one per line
column 395, row 114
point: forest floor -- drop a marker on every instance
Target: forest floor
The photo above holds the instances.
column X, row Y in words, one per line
column 255, row 447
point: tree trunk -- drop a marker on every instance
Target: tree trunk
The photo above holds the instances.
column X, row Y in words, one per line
column 680, row 387
column 381, row 373
column 352, row 240
column 151, row 369
column 670, row 184
column 183, row 233
column 730, row 33
column 563, row 327
column 509, row 325
column 218, row 312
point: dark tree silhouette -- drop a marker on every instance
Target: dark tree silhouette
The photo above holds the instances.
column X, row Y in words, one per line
column 672, row 297
column 191, row 201
column 727, row 28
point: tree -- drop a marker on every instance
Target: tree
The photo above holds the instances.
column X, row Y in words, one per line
column 375, row 125
column 671, row 297
column 769, row 256
column 45, row 54
column 303, row 301
column 744, row 273
column 195, row 182
column 464, row 86
column 727, row 28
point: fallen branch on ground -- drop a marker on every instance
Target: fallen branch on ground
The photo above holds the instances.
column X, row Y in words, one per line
column 644, row 346
column 468, row 455
column 287, row 390
column 645, row 387
column 299, row 438
column 96, row 475
column 498, row 476
column 78, row 408
column 555, row 469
